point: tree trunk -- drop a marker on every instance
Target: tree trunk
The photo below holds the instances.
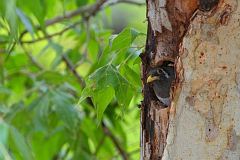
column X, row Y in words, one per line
column 202, row 39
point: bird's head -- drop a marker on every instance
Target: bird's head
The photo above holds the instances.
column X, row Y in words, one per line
column 153, row 75
column 162, row 73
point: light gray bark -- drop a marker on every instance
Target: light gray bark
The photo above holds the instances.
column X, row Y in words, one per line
column 205, row 115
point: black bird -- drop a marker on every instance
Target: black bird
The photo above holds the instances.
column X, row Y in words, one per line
column 207, row 5
column 161, row 79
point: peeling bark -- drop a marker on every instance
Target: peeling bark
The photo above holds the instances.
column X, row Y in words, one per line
column 168, row 22
column 206, row 124
column 194, row 34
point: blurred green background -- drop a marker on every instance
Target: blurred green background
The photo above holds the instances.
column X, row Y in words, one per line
column 70, row 85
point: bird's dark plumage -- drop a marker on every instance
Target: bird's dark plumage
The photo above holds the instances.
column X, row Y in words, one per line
column 207, row 5
column 161, row 79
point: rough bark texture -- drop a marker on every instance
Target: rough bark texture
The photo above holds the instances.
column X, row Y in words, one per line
column 206, row 124
column 203, row 119
column 168, row 21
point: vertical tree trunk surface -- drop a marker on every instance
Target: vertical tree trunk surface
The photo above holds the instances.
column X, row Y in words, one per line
column 202, row 39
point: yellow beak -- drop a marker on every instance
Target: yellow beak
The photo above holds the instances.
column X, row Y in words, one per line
column 152, row 78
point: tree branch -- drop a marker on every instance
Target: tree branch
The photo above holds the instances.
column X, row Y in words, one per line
column 115, row 141
column 86, row 11
column 127, row 2
column 32, row 59
column 52, row 35
column 89, row 10
column 71, row 67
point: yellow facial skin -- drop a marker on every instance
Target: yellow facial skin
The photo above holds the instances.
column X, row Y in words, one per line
column 152, row 78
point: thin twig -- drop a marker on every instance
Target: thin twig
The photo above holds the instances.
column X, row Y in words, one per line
column 31, row 58
column 52, row 35
column 70, row 66
column 9, row 51
column 115, row 141
column 89, row 10
column 81, row 61
column 127, row 2
column 86, row 11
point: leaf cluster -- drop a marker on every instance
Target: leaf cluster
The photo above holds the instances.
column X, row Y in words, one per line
column 69, row 87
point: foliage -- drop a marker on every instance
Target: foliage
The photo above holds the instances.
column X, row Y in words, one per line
column 69, row 87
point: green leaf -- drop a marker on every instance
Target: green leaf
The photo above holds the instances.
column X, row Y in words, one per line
column 104, row 59
column 4, row 153
column 89, row 127
column 124, row 39
column 130, row 75
column 11, row 16
column 137, row 60
column 57, row 47
column 59, row 51
column 54, row 78
column 37, row 7
column 4, row 109
column 101, row 83
column 20, row 144
column 118, row 46
column 4, row 90
column 81, row 2
column 41, row 104
column 87, row 92
column 93, row 49
column 2, row 8
column 52, row 142
column 101, row 99
column 25, row 21
column 65, row 108
column 4, row 38
column 4, row 130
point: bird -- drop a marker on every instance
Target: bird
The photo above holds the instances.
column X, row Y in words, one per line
column 161, row 79
column 207, row 5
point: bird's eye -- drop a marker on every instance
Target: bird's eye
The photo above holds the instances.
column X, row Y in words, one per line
column 159, row 71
